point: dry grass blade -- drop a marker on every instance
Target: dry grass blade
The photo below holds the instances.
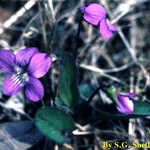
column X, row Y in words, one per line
column 14, row 18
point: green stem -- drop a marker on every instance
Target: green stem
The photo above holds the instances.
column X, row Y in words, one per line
column 43, row 103
column 96, row 91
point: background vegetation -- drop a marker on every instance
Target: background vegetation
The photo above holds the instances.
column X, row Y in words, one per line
column 52, row 27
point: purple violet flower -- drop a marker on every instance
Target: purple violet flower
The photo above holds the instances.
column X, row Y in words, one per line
column 125, row 102
column 24, row 69
column 96, row 14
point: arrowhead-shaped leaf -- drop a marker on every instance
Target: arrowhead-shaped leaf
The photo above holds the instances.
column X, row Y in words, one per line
column 68, row 81
column 54, row 123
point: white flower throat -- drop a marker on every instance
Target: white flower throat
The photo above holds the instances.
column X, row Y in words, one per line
column 21, row 76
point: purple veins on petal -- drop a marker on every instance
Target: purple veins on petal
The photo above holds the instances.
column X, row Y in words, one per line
column 107, row 29
column 34, row 89
column 24, row 56
column 125, row 105
column 28, row 65
column 7, row 59
column 12, row 85
column 94, row 13
column 130, row 95
column 39, row 65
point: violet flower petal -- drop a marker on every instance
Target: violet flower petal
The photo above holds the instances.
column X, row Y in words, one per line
column 39, row 65
column 7, row 60
column 34, row 89
column 105, row 29
column 24, row 56
column 130, row 95
column 12, row 85
column 94, row 13
column 125, row 105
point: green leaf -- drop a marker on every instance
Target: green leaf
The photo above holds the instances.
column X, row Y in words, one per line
column 68, row 81
column 60, row 105
column 141, row 109
column 58, row 102
column 55, row 124
column 85, row 91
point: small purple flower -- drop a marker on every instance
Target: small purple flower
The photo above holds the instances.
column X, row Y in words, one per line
column 96, row 14
column 125, row 102
column 24, row 69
